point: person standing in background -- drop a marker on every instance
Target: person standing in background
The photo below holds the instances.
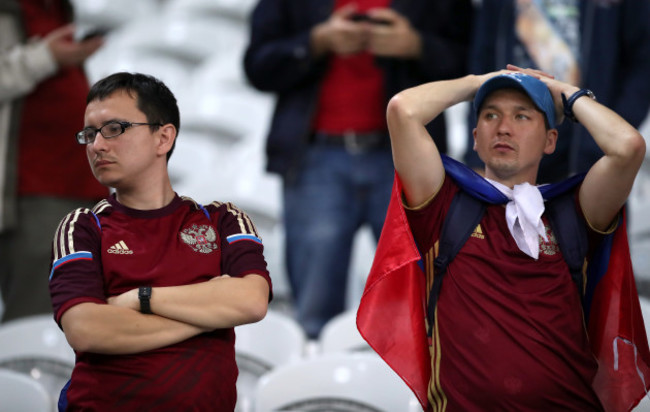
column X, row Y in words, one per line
column 333, row 66
column 602, row 45
column 42, row 173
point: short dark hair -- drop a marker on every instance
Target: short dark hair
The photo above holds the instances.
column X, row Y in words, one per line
column 152, row 97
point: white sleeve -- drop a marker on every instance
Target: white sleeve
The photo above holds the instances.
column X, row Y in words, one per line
column 22, row 66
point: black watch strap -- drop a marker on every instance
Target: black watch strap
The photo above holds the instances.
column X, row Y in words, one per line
column 144, row 294
column 568, row 103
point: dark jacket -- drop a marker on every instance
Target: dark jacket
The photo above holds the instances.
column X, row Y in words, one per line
column 614, row 62
column 278, row 60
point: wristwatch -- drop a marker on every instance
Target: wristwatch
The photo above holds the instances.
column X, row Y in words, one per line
column 568, row 103
column 144, row 294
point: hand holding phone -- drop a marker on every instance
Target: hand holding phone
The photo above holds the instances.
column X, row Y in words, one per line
column 99, row 32
column 363, row 17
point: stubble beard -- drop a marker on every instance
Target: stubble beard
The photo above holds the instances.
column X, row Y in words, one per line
column 502, row 168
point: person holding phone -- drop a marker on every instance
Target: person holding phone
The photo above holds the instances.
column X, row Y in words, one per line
column 42, row 172
column 333, row 65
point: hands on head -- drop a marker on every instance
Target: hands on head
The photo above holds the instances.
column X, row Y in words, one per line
column 556, row 87
column 67, row 51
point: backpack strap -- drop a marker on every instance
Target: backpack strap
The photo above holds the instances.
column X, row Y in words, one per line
column 464, row 214
column 571, row 234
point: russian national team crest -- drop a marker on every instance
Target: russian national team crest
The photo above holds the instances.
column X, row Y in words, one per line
column 550, row 247
column 201, row 238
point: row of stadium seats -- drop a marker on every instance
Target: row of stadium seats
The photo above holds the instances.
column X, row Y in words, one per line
column 279, row 368
column 270, row 354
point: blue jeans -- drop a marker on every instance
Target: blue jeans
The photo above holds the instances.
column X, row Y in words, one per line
column 332, row 196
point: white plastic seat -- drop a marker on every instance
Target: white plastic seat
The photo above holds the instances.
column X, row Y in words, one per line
column 334, row 382
column 20, row 393
column 189, row 39
column 110, row 14
column 340, row 334
column 37, row 348
column 234, row 9
column 173, row 71
column 230, row 111
column 34, row 336
column 263, row 346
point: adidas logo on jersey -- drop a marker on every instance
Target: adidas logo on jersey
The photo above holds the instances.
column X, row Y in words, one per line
column 120, row 248
column 478, row 233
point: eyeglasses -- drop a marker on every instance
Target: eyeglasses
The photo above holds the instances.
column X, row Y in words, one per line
column 109, row 130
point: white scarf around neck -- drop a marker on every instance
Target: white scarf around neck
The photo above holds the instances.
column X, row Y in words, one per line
column 524, row 216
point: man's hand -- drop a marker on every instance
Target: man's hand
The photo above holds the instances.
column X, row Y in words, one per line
column 393, row 36
column 556, row 87
column 68, row 52
column 340, row 34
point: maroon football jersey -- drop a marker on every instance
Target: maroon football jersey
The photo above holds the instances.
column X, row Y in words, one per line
column 509, row 333
column 113, row 249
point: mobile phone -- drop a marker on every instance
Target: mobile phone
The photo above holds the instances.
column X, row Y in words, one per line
column 98, row 32
column 359, row 17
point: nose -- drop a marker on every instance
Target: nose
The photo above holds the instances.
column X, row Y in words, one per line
column 504, row 126
column 99, row 144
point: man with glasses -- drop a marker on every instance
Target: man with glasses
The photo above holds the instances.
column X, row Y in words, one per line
column 148, row 285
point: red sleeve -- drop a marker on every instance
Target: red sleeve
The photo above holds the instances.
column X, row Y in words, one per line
column 241, row 246
column 425, row 221
column 75, row 271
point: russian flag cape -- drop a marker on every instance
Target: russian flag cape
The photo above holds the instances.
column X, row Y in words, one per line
column 392, row 312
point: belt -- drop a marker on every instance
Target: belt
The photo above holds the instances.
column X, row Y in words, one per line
column 353, row 142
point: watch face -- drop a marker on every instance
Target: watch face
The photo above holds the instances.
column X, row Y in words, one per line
column 144, row 294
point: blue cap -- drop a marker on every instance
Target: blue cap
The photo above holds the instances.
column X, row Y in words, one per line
column 533, row 87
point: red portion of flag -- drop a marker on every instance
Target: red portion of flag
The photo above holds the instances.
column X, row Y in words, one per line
column 392, row 316
column 617, row 332
column 392, row 312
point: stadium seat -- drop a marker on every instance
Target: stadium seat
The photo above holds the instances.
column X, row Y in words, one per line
column 263, row 346
column 334, row 382
column 340, row 334
column 91, row 15
column 232, row 9
column 37, row 348
column 20, row 393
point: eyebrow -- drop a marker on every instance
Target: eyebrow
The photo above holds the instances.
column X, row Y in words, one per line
column 105, row 123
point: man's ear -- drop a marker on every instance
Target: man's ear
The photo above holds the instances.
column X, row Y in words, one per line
column 167, row 136
column 474, row 134
column 551, row 141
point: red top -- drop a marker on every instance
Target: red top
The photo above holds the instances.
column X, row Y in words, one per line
column 117, row 249
column 510, row 333
column 352, row 93
column 50, row 162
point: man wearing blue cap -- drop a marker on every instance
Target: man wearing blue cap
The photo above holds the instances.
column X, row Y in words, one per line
column 508, row 331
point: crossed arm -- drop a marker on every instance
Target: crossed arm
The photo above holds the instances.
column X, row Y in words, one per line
column 180, row 312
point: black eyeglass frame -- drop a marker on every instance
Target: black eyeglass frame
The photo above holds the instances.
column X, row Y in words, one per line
column 81, row 136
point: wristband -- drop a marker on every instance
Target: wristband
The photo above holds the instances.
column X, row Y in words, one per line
column 568, row 103
column 144, row 294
